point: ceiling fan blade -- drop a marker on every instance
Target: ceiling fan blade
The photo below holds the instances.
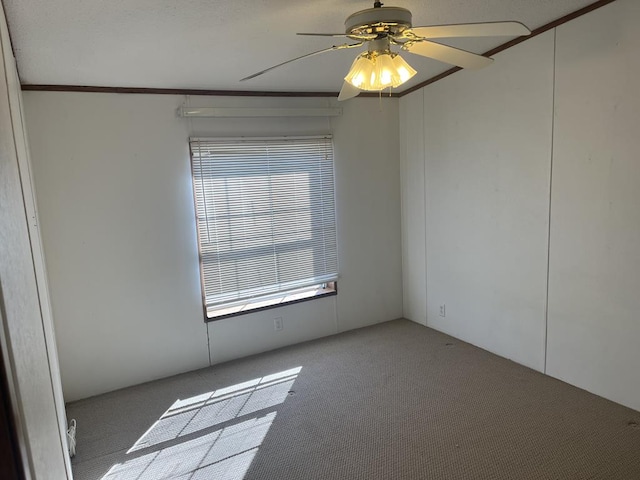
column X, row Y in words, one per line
column 447, row 54
column 324, row 34
column 348, row 91
column 335, row 47
column 490, row 29
column 348, row 35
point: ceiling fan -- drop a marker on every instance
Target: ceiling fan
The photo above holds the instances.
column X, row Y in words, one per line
column 383, row 27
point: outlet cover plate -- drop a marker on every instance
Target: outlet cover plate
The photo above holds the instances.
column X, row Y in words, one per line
column 277, row 324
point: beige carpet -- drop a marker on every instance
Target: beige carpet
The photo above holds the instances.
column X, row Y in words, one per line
column 393, row 401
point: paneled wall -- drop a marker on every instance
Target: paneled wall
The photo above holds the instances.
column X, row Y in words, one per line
column 412, row 174
column 113, row 184
column 532, row 193
column 488, row 137
column 594, row 279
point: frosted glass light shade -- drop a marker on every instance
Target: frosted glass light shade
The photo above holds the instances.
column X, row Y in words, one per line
column 374, row 71
column 403, row 70
column 360, row 72
column 383, row 73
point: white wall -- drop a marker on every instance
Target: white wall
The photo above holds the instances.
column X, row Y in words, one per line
column 412, row 170
column 487, row 137
column 113, row 185
column 369, row 253
column 594, row 284
column 492, row 217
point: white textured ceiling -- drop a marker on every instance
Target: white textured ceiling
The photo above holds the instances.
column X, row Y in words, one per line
column 211, row 44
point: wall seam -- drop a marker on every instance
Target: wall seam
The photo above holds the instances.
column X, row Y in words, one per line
column 209, row 346
column 553, row 116
column 424, row 206
column 402, row 150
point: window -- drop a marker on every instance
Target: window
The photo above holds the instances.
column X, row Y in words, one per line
column 265, row 213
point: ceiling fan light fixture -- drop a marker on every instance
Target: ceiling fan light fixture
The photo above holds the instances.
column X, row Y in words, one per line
column 380, row 28
column 374, row 71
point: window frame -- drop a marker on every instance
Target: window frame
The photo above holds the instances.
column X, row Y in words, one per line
column 330, row 290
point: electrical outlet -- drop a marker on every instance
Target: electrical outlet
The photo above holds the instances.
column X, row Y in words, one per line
column 443, row 310
column 277, row 324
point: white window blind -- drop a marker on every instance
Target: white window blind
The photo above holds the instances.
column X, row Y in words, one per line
column 265, row 213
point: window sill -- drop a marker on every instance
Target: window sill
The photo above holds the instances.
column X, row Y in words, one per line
column 260, row 305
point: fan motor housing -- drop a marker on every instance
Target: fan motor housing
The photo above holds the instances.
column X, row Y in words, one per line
column 378, row 21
